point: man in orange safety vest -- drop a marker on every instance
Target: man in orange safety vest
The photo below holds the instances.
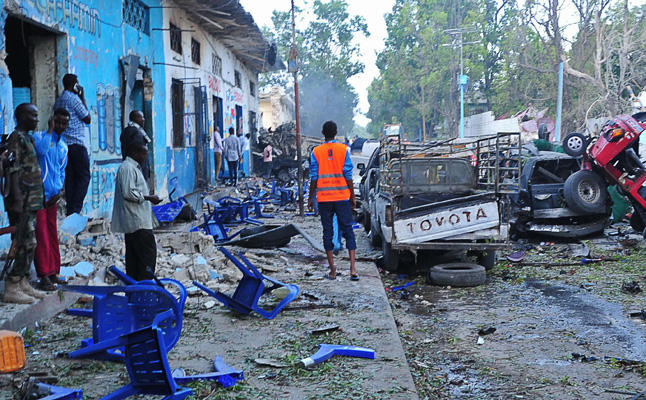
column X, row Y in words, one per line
column 331, row 175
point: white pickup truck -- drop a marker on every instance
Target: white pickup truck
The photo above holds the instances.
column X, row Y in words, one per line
column 431, row 203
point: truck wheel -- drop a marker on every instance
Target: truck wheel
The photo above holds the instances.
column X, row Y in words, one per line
column 585, row 192
column 375, row 240
column 575, row 144
column 391, row 257
column 458, row 274
column 637, row 223
column 487, row 259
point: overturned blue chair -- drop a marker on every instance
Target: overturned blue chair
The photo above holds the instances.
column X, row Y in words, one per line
column 117, row 310
column 147, row 364
column 250, row 288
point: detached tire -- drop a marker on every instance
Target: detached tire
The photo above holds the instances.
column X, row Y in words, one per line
column 391, row 257
column 458, row 275
column 585, row 192
column 575, row 144
column 487, row 259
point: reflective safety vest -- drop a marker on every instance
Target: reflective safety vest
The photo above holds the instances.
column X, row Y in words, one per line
column 331, row 184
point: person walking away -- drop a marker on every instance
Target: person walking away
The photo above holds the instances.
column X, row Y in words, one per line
column 52, row 156
column 132, row 213
column 25, row 198
column 331, row 183
column 134, row 132
column 232, row 153
column 244, row 145
column 217, row 151
column 77, row 174
column 267, row 160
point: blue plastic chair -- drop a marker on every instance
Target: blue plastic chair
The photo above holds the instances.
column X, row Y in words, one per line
column 119, row 310
column 250, row 288
column 147, row 364
column 58, row 393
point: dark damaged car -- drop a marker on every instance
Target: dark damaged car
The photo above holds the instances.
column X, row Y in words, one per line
column 540, row 206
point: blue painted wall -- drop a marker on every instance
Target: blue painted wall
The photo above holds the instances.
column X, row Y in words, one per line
column 93, row 38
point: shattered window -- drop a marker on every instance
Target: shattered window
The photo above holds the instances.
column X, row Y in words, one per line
column 216, row 64
column 195, row 51
column 136, row 14
column 175, row 39
column 238, row 79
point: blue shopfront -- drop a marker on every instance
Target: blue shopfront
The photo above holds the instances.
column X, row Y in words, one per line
column 112, row 50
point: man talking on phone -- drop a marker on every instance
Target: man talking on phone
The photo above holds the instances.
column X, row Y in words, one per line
column 77, row 172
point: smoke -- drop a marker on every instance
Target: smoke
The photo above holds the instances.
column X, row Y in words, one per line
column 324, row 98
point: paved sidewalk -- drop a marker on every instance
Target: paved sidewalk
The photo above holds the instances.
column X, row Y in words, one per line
column 360, row 309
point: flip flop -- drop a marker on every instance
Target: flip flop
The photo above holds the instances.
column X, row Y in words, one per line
column 328, row 277
column 354, row 278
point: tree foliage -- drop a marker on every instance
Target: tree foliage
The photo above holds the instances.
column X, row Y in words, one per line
column 328, row 52
column 511, row 53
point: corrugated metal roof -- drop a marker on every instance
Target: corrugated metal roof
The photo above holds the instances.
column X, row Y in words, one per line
column 229, row 23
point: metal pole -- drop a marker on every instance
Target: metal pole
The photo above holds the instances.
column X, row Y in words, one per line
column 297, row 114
column 559, row 105
column 461, row 109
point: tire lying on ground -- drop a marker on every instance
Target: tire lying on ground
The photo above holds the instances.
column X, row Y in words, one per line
column 585, row 192
column 458, row 274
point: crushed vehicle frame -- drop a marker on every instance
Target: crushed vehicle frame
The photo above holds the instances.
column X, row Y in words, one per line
column 540, row 206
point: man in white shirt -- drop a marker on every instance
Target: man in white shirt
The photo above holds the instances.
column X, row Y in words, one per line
column 132, row 213
column 233, row 154
column 217, row 151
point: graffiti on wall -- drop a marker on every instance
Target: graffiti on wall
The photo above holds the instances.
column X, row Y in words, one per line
column 72, row 13
column 107, row 130
column 103, row 179
column 214, row 84
column 86, row 56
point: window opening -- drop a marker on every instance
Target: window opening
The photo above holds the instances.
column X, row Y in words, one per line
column 175, row 39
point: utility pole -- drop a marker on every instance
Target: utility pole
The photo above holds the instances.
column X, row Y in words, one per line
column 293, row 68
column 463, row 80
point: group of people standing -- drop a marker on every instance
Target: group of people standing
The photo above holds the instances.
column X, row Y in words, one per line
column 232, row 150
column 46, row 164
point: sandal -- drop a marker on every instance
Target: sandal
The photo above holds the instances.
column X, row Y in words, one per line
column 328, row 277
column 354, row 277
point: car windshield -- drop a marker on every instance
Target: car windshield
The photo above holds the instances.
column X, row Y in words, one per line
column 425, row 174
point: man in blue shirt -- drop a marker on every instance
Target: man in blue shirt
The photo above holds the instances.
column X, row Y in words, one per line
column 52, row 156
column 77, row 175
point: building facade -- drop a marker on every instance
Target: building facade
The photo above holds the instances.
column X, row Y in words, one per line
column 187, row 66
column 276, row 108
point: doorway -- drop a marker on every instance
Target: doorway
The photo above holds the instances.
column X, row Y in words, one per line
column 33, row 67
column 238, row 119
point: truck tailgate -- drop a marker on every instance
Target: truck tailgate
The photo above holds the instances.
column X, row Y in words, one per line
column 447, row 222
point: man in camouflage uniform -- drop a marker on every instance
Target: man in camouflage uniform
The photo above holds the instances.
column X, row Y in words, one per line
column 24, row 199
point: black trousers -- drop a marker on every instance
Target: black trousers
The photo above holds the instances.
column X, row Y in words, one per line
column 233, row 171
column 77, row 177
column 141, row 253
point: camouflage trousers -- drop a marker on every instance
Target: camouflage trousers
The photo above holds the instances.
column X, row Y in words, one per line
column 25, row 239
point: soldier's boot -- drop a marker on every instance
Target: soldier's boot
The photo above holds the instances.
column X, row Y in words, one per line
column 13, row 292
column 30, row 290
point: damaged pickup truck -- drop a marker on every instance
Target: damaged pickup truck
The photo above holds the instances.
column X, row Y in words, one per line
column 446, row 198
column 540, row 206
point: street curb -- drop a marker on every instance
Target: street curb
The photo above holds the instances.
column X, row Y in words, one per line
column 42, row 310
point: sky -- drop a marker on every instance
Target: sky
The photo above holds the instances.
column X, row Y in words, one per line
column 372, row 11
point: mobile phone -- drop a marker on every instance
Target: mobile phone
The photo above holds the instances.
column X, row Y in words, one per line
column 77, row 88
